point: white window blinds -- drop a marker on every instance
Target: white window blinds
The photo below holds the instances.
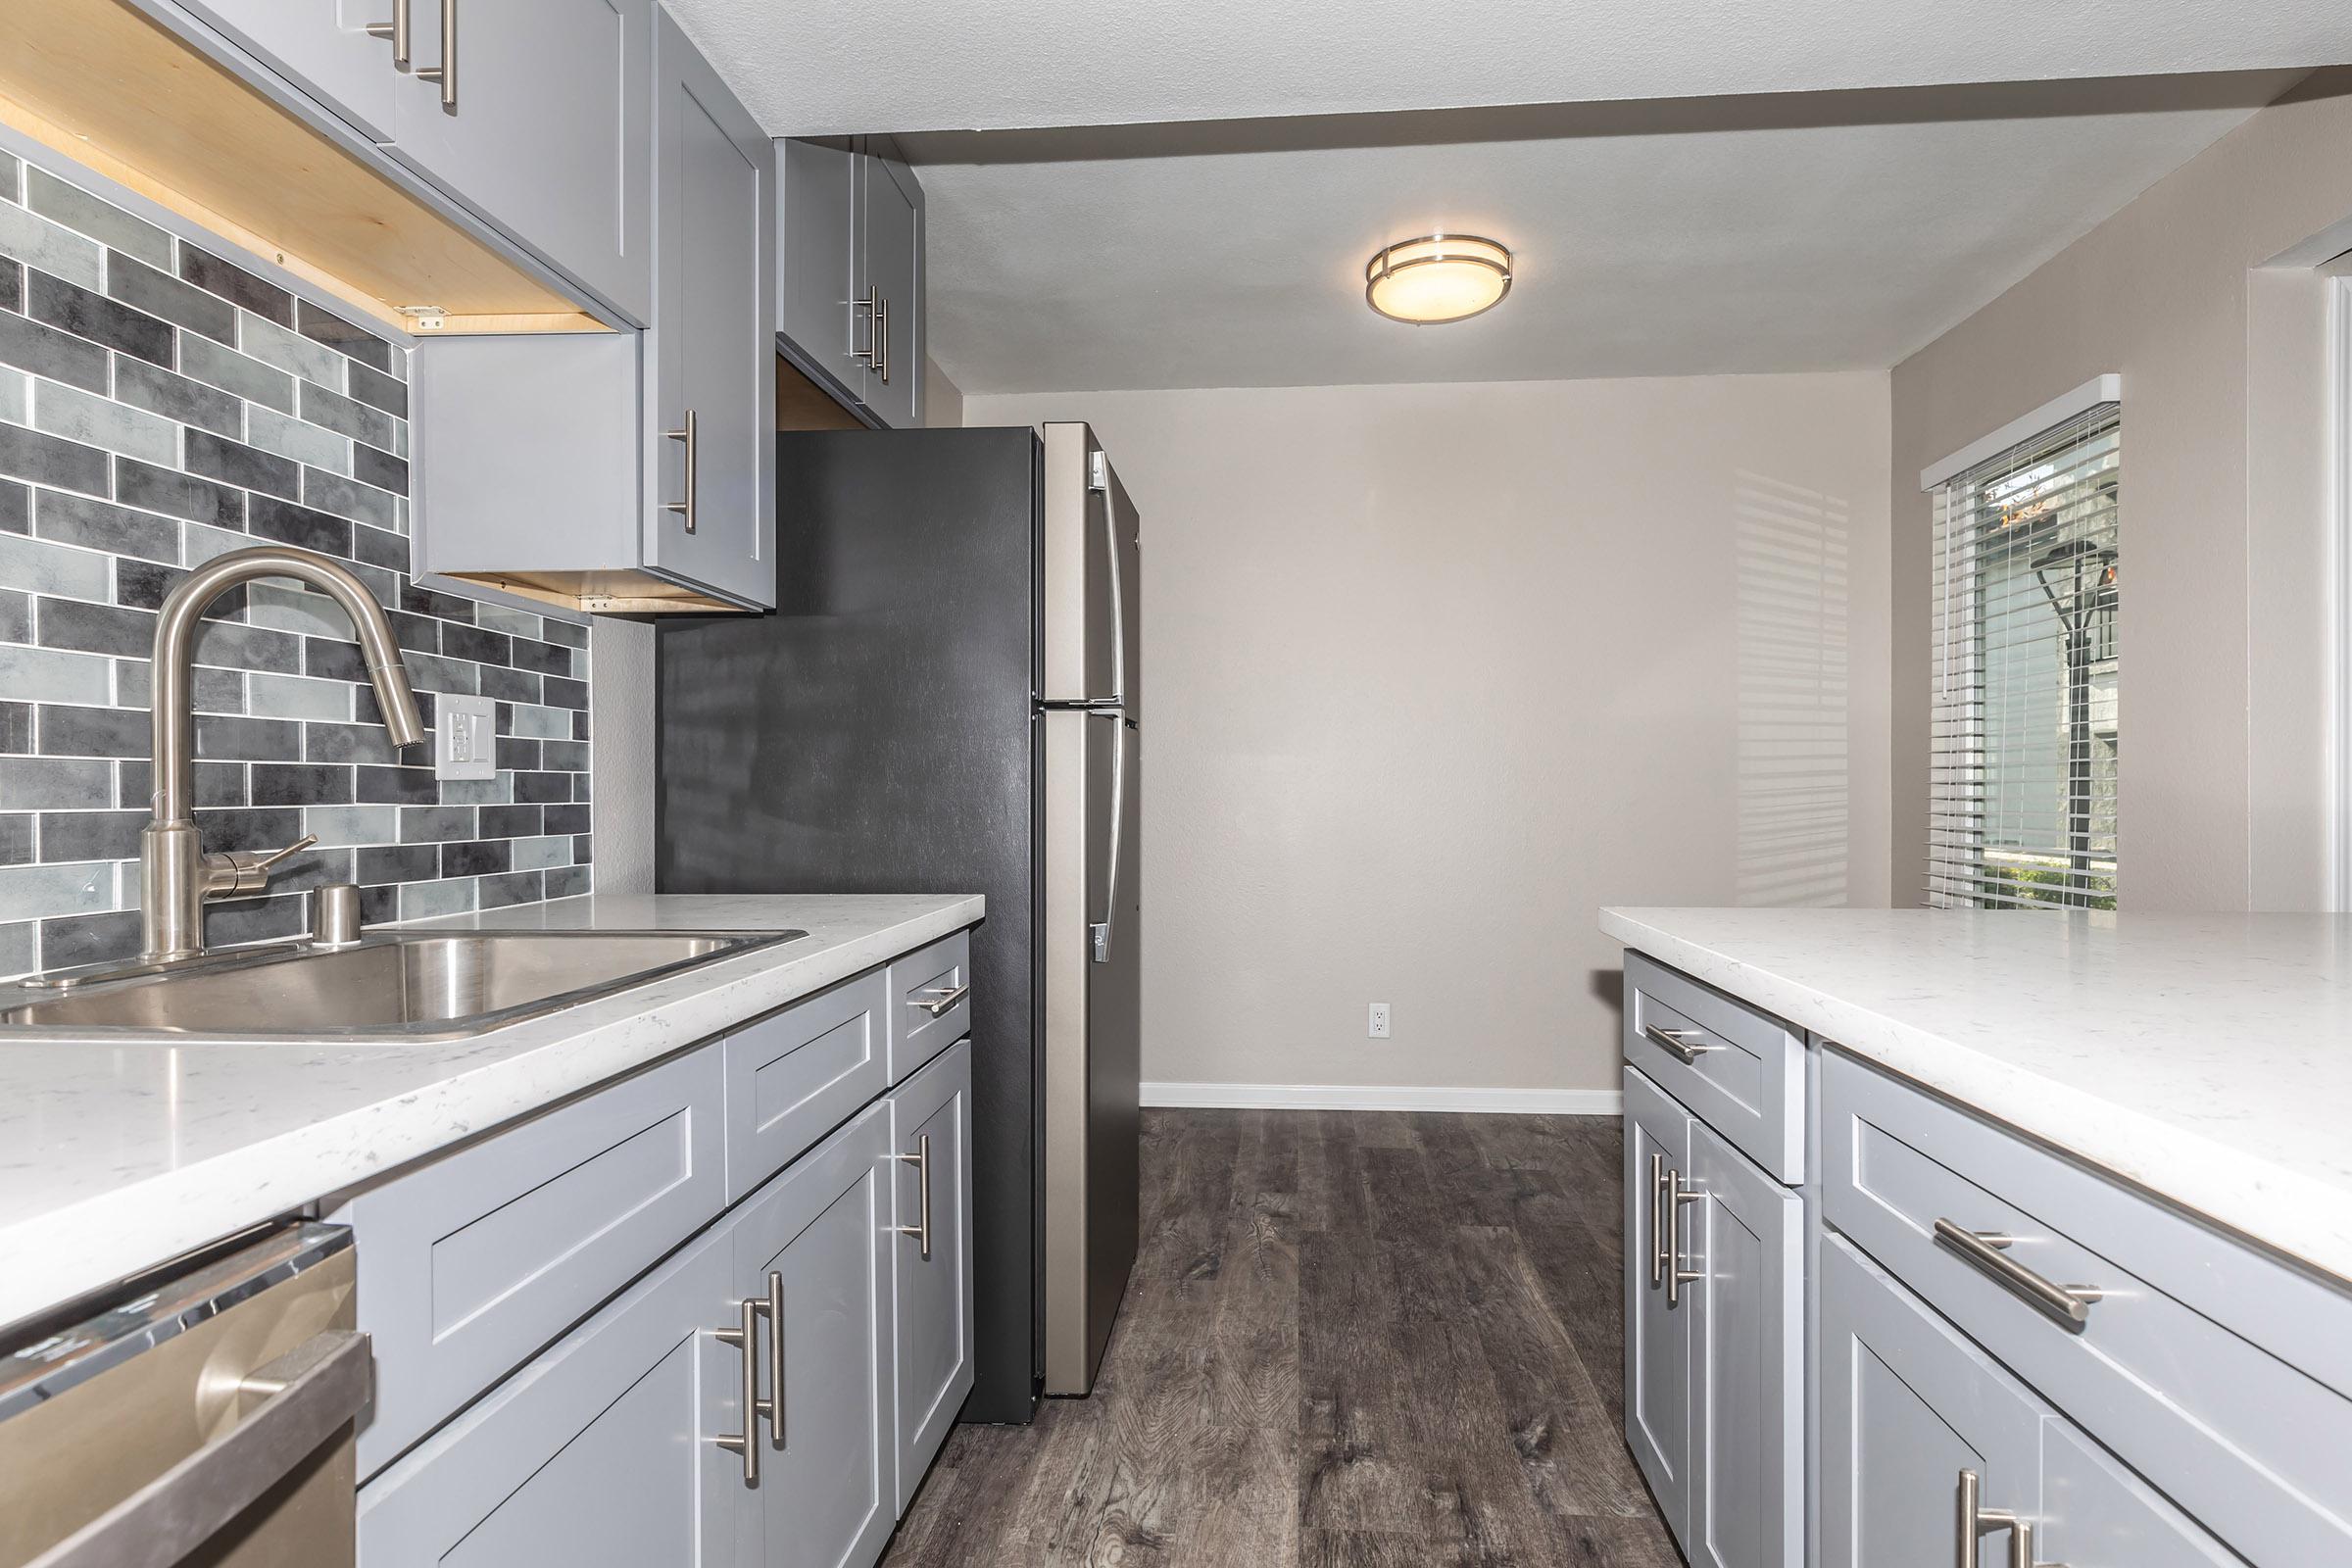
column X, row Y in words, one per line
column 2021, row 777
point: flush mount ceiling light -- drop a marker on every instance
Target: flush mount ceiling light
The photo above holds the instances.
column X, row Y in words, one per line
column 1438, row 278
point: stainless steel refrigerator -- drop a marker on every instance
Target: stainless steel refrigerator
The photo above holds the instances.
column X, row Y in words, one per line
column 947, row 698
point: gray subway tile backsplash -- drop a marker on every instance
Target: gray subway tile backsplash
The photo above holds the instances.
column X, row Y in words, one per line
column 163, row 401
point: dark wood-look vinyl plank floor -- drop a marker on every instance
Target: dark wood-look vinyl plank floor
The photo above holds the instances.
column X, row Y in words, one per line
column 1353, row 1340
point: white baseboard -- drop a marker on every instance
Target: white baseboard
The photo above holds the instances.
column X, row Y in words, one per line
column 1383, row 1097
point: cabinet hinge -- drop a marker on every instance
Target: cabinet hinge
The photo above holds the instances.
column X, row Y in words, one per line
column 1098, row 471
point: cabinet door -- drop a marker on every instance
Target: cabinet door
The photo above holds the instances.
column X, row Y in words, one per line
column 821, row 1229
column 597, row 1455
column 542, row 125
column 1747, row 1403
column 1907, row 1406
column 715, row 379
column 931, row 1290
column 890, row 254
column 817, row 258
column 322, row 48
column 1657, row 1334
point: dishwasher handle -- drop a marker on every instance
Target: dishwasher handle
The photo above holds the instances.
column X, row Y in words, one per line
column 296, row 1404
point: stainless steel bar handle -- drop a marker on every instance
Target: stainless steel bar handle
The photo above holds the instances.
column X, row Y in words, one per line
column 446, row 72
column 687, row 433
column 920, row 1159
column 1975, row 1522
column 398, row 30
column 939, row 998
column 1100, row 934
column 744, row 1336
column 300, row 1400
column 1657, row 1218
column 873, row 307
column 1678, row 1276
column 773, row 1406
column 1678, row 1042
column 1118, row 591
column 882, row 339
column 1987, row 1252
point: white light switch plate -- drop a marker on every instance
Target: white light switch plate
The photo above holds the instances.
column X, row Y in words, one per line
column 464, row 737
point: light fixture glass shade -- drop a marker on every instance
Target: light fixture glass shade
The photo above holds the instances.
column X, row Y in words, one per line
column 1438, row 277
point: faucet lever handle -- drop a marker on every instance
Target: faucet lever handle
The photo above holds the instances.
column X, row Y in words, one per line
column 267, row 862
column 236, row 871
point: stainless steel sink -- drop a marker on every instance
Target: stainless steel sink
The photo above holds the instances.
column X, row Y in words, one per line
column 392, row 985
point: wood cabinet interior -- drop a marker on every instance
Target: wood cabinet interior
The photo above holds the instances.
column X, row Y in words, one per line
column 103, row 84
column 803, row 404
column 605, row 593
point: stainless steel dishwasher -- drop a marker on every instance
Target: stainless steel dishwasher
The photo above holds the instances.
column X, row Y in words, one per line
column 204, row 1417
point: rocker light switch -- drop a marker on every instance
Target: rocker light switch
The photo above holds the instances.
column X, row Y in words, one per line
column 464, row 737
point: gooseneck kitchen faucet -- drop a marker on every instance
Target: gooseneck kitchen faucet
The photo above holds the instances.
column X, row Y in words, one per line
column 175, row 873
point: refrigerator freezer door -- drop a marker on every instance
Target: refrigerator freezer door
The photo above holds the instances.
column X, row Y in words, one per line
column 1093, row 1035
column 1092, row 626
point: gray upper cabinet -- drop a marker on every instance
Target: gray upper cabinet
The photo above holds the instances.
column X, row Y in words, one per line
column 1657, row 1323
column 1915, row 1419
column 712, row 516
column 322, row 48
column 815, row 259
column 535, row 113
column 598, row 1455
column 626, row 471
column 891, row 251
column 931, row 1131
column 812, row 1248
column 850, row 275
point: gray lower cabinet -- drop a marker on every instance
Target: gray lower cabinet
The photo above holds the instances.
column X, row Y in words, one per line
column 1743, row 1242
column 540, row 119
column 1912, row 1414
column 1714, row 1337
column 1657, row 1329
column 813, row 1256
column 931, row 1261
column 322, row 48
column 599, row 1455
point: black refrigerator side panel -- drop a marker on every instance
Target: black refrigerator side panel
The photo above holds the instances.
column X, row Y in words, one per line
column 877, row 734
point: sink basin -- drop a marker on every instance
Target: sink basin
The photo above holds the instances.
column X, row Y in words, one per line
column 394, row 985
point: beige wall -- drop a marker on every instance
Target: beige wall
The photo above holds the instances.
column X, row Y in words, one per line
column 942, row 403
column 2222, row 622
column 1435, row 671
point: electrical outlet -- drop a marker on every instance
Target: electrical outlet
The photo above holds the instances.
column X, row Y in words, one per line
column 464, row 737
column 1380, row 1020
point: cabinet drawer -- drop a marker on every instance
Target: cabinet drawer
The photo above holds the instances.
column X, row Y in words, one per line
column 797, row 1074
column 2186, row 1364
column 1741, row 1070
column 469, row 1265
column 923, row 1019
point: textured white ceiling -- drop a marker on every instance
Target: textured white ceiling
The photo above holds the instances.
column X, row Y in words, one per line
column 811, row 68
column 1816, row 232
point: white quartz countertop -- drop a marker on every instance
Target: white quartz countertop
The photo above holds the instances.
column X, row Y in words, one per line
column 115, row 1157
column 2207, row 1058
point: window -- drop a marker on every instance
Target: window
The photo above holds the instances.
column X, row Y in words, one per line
column 2022, row 771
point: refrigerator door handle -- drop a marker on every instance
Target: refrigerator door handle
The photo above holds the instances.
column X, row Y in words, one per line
column 1099, row 935
column 1118, row 592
